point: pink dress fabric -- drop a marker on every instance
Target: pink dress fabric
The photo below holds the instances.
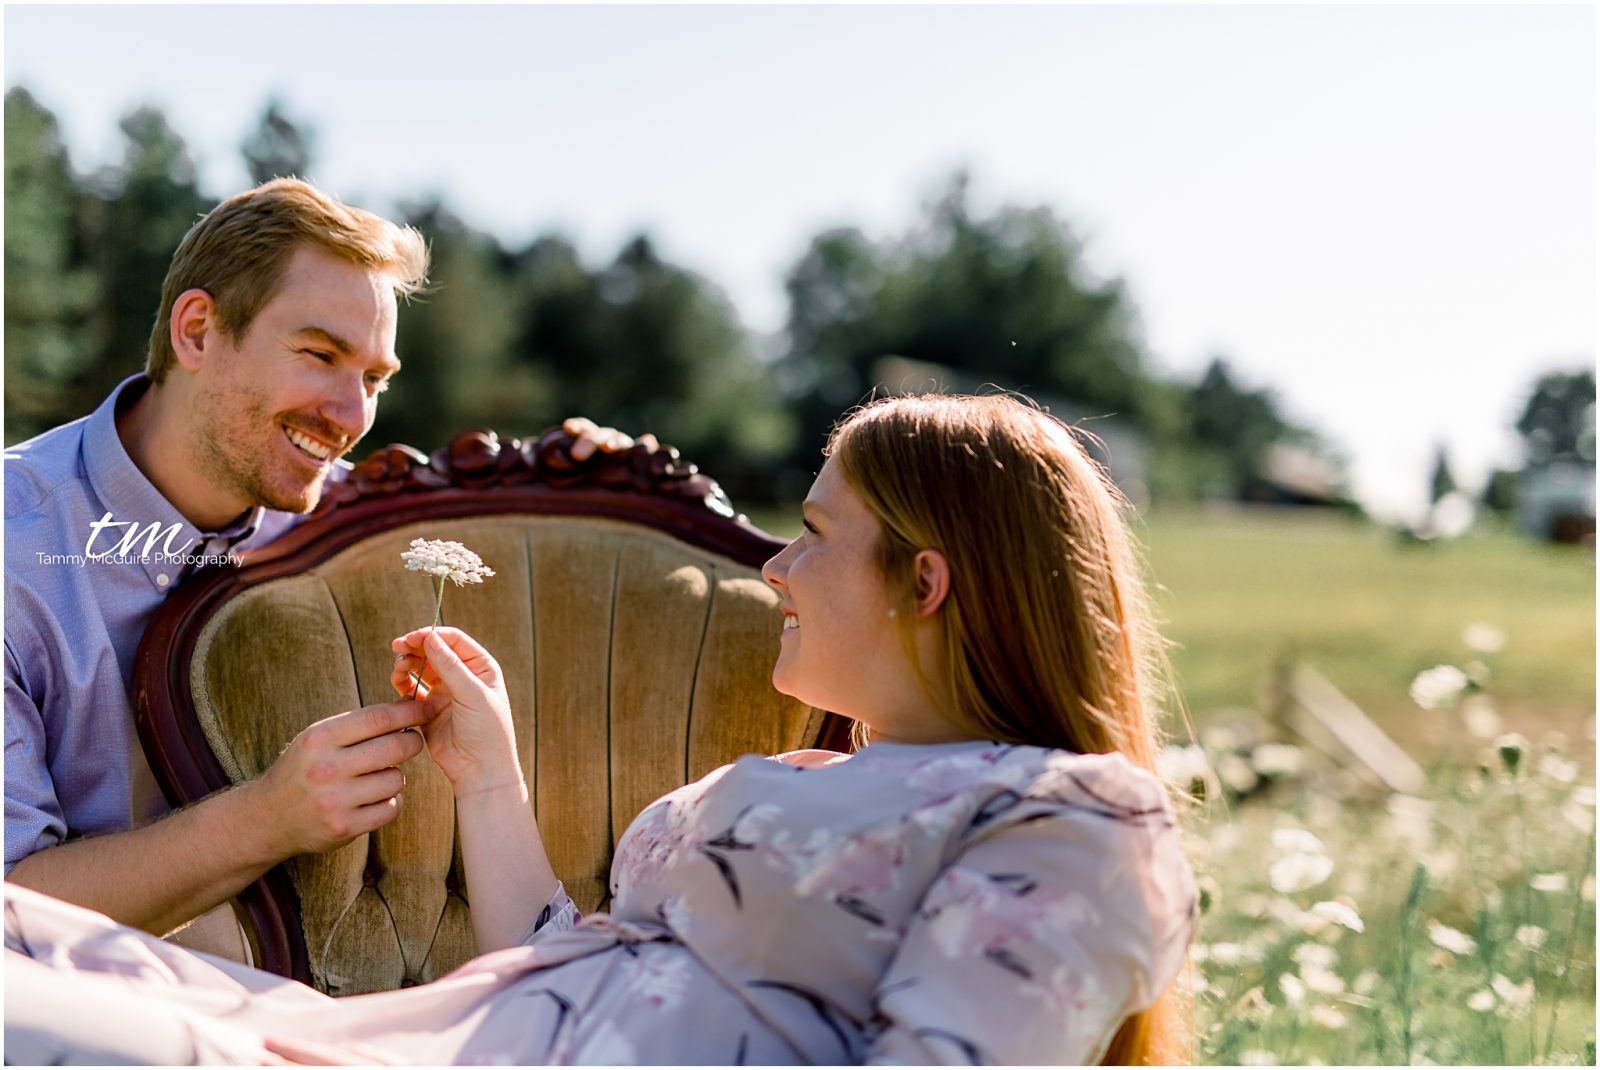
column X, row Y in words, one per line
column 913, row 904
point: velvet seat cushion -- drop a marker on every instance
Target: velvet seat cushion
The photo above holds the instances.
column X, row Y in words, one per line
column 634, row 663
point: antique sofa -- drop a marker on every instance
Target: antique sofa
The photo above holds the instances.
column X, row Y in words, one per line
column 627, row 611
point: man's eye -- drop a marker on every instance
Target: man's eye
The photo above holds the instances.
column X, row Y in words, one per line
column 377, row 383
column 325, row 357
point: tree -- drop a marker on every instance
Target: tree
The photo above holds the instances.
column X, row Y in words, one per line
column 141, row 209
column 47, row 293
column 1557, row 423
column 1441, row 481
column 278, row 147
column 1005, row 297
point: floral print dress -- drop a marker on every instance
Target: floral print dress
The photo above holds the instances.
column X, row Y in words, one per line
column 916, row 904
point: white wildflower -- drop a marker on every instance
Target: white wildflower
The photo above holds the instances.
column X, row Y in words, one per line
column 1298, row 871
column 1316, row 955
column 1481, row 1001
column 1587, row 891
column 1183, row 766
column 1225, row 954
column 1530, row 936
column 1340, row 914
column 1328, row 1017
column 1483, row 721
column 1548, row 882
column 1484, row 638
column 1579, row 817
column 1294, row 992
column 441, row 557
column 1295, row 839
column 1237, row 774
column 1366, row 982
column 1452, row 940
column 1322, row 980
column 1517, row 998
column 1219, row 737
column 1557, row 768
column 1257, row 1057
column 1278, row 759
column 1583, row 795
column 1439, row 687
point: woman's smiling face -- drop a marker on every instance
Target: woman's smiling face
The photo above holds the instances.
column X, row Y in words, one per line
column 842, row 649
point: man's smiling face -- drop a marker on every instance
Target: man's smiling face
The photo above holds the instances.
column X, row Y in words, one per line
column 278, row 406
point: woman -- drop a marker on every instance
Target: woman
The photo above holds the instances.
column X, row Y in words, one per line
column 994, row 877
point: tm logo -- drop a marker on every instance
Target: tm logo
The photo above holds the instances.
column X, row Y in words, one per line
column 152, row 534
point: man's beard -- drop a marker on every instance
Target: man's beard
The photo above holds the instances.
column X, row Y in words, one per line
column 225, row 456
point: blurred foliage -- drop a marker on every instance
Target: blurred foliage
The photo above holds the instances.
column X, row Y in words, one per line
column 1557, row 424
column 520, row 338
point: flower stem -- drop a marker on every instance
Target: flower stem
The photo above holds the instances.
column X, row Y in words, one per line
column 438, row 608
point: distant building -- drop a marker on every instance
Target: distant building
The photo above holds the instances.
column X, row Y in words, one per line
column 1120, row 448
column 1293, row 475
column 1556, row 501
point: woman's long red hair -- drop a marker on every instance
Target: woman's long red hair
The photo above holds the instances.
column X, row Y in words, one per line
column 1047, row 635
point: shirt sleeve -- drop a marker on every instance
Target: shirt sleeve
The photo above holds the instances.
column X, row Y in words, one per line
column 33, row 814
column 1050, row 928
column 559, row 915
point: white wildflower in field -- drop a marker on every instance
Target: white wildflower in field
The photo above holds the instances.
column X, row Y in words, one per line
column 1366, row 982
column 1587, row 891
column 1515, row 997
column 1557, row 768
column 1482, row 719
column 1278, row 759
column 441, row 557
column 1548, row 882
column 1530, row 935
column 1484, row 638
column 1294, row 992
column 1410, row 821
column 1218, row 738
column 1257, row 1057
column 1183, row 765
column 1481, row 1001
column 1224, row 954
column 1322, row 981
column 1237, row 774
column 1452, row 940
column 1340, row 914
column 1439, row 687
column 1579, row 817
column 1317, row 955
column 1583, row 795
column 1296, row 839
column 1298, row 871
column 1329, row 1017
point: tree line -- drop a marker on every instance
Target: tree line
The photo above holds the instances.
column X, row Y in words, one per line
column 517, row 338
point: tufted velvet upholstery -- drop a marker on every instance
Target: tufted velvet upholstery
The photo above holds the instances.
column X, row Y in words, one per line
column 634, row 662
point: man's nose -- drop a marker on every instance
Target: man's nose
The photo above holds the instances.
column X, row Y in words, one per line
column 349, row 408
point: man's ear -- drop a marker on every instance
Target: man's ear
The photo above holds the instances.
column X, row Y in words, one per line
column 195, row 330
column 932, row 581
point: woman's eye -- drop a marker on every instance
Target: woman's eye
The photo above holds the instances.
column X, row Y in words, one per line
column 811, row 529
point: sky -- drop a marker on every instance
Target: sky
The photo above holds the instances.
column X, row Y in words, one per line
column 1386, row 216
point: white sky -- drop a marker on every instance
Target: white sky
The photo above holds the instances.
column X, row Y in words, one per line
column 1387, row 215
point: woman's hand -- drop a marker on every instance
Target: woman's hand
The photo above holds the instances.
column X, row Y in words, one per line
column 469, row 733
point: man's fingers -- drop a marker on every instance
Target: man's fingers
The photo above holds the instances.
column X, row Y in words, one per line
column 369, row 722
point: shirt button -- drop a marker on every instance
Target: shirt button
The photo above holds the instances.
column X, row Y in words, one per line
column 163, row 579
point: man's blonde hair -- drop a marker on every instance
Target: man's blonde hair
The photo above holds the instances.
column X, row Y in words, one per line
column 238, row 253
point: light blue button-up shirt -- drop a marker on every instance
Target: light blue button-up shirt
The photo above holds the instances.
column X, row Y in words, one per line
column 73, row 764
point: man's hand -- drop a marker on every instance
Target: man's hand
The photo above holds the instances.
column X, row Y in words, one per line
column 338, row 778
column 592, row 437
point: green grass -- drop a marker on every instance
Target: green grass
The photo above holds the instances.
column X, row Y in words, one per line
column 1241, row 589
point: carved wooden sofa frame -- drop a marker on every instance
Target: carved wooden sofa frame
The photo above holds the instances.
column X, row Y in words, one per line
column 637, row 549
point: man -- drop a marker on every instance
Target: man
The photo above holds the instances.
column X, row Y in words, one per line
column 274, row 339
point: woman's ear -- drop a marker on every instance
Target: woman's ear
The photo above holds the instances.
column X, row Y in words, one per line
column 932, row 581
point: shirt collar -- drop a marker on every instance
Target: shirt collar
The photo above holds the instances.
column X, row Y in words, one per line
column 129, row 498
